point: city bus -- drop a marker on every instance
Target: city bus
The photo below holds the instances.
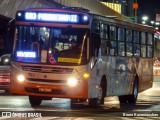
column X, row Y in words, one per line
column 112, row 57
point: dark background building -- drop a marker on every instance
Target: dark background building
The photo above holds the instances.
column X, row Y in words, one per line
column 126, row 6
column 147, row 8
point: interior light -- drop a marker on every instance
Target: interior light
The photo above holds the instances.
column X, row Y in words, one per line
column 44, row 28
column 50, row 51
column 156, row 28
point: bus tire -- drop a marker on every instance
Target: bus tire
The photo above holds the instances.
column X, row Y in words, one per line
column 96, row 102
column 74, row 100
column 130, row 98
column 103, row 86
column 93, row 102
column 35, row 100
column 122, row 99
column 133, row 97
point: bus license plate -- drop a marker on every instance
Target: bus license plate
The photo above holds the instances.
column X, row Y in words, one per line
column 45, row 90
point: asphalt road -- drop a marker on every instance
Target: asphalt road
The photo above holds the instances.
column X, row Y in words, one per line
column 147, row 107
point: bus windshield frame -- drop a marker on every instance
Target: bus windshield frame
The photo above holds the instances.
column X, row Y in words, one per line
column 51, row 45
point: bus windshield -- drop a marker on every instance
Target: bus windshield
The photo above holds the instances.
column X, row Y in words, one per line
column 51, row 45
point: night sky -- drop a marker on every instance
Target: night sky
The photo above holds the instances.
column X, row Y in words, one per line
column 149, row 8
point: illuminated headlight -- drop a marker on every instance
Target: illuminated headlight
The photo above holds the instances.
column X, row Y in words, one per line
column 21, row 78
column 6, row 60
column 85, row 18
column 72, row 81
column 19, row 14
column 50, row 51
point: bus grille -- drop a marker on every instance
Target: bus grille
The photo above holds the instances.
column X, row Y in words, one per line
column 47, row 81
column 43, row 69
column 4, row 83
column 5, row 77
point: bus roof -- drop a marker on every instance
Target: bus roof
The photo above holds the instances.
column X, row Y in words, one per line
column 109, row 19
column 117, row 22
column 62, row 9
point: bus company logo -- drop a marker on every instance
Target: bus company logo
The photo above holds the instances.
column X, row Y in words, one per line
column 20, row 114
column 31, row 74
column 6, row 114
column 45, row 76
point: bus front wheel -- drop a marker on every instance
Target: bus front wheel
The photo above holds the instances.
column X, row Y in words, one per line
column 77, row 100
column 35, row 100
column 133, row 97
column 96, row 102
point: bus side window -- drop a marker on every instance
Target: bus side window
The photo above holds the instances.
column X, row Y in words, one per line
column 105, row 46
column 104, row 31
column 129, row 49
column 113, row 40
column 143, row 44
column 136, row 50
column 129, row 43
column 149, row 46
column 96, row 44
column 143, row 38
column 129, row 35
column 113, row 49
column 121, row 49
column 95, row 27
column 150, row 39
column 121, row 44
column 149, row 52
column 136, row 37
column 143, row 50
column 120, row 34
column 112, row 33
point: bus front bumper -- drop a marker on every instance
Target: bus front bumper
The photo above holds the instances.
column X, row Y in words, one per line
column 50, row 90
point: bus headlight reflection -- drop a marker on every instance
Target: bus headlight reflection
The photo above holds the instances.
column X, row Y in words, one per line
column 72, row 81
column 21, row 78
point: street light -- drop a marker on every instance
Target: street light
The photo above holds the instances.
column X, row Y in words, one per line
column 143, row 22
column 152, row 22
column 156, row 28
column 157, row 23
column 145, row 18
